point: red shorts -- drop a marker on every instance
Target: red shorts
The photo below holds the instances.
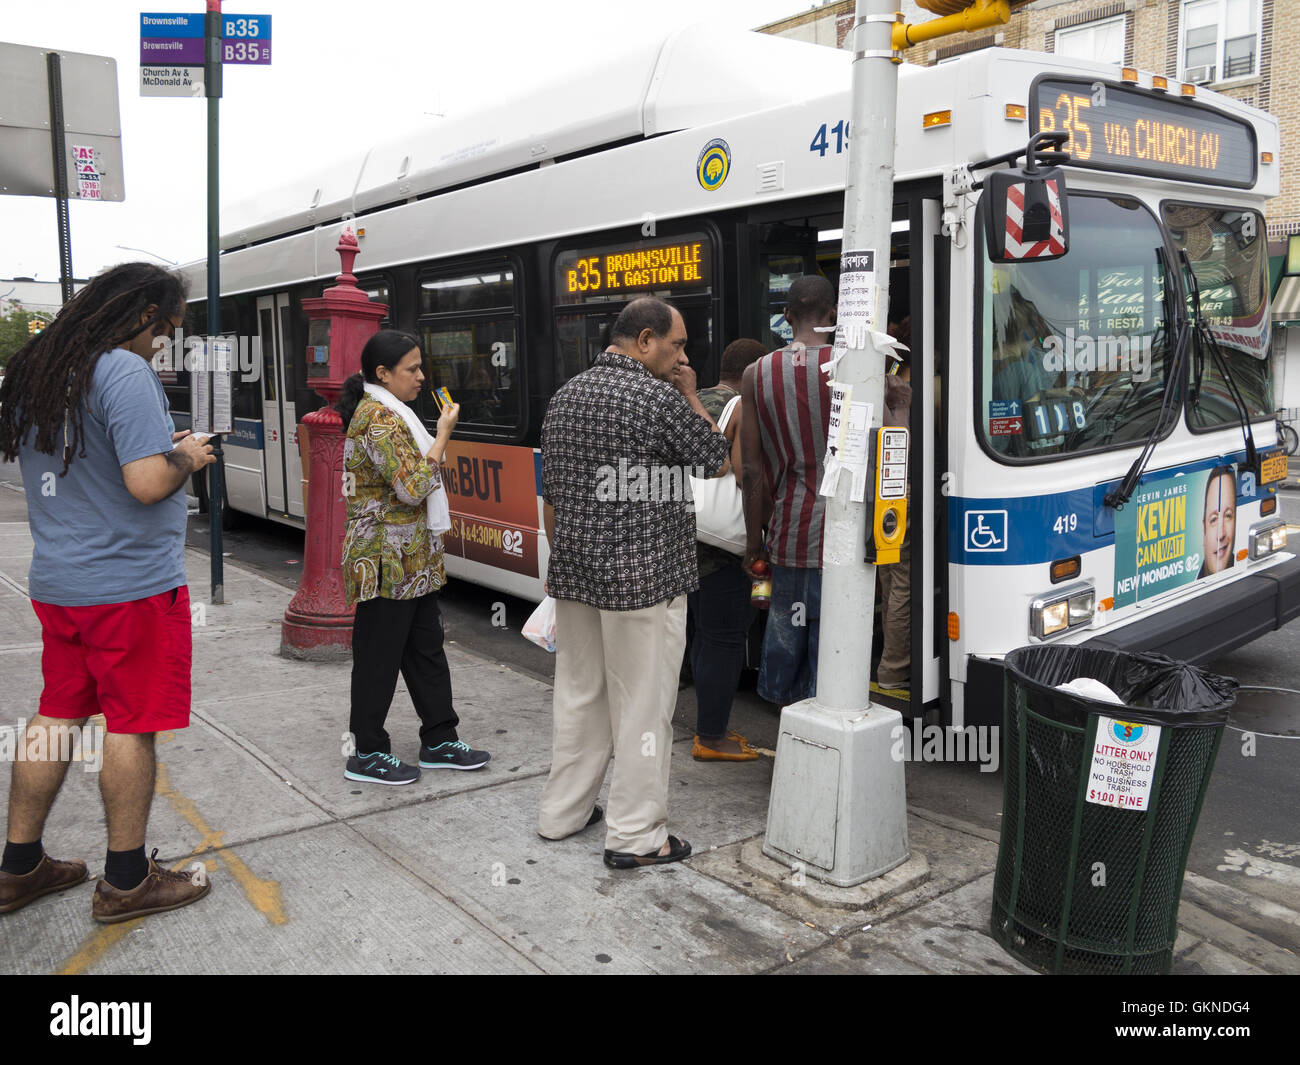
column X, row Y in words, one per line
column 127, row 661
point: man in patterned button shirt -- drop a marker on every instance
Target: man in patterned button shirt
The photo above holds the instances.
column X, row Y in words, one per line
column 617, row 444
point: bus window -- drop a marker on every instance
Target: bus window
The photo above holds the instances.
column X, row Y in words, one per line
column 580, row 337
column 594, row 283
column 468, row 328
column 270, row 379
column 1073, row 350
column 779, row 272
column 1229, row 257
column 378, row 290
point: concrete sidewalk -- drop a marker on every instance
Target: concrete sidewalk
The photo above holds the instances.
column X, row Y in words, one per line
column 315, row 874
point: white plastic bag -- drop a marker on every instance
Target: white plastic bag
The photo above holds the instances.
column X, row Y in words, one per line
column 1090, row 688
column 540, row 627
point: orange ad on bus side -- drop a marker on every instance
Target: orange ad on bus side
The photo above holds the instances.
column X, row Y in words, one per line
column 492, row 492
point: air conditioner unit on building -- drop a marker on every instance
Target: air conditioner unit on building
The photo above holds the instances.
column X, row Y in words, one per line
column 1202, row 75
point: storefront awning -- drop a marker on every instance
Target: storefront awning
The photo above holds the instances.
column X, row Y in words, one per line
column 1286, row 302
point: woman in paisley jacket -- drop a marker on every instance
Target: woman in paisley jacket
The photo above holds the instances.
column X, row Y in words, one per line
column 392, row 563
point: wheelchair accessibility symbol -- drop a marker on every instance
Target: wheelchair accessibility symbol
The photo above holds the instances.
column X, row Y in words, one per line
column 986, row 530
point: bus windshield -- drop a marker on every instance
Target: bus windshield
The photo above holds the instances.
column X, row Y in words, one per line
column 1228, row 254
column 1074, row 349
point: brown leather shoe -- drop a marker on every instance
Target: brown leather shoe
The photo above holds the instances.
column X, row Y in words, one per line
column 50, row 876
column 160, row 891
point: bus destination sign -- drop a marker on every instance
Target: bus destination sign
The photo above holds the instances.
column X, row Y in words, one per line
column 1114, row 127
column 624, row 270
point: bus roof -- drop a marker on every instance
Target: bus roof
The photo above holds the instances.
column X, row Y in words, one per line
column 692, row 77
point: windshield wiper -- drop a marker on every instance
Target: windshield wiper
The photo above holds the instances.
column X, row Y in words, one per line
column 1205, row 335
column 1118, row 496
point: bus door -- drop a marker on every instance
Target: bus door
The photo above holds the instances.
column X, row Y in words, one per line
column 930, row 337
column 279, row 419
column 916, row 290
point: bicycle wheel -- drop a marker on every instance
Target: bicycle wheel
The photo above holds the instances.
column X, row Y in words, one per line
column 1288, row 438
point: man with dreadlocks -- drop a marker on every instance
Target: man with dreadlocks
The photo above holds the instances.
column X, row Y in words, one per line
column 104, row 472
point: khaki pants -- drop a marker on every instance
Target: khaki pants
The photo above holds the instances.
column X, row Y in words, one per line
column 616, row 677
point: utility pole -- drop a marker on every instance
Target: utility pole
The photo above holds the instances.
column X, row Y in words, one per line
column 855, row 828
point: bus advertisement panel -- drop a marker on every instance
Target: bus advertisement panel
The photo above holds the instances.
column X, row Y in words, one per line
column 492, row 490
column 1175, row 530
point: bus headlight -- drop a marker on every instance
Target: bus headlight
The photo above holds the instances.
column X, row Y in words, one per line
column 1062, row 609
column 1266, row 538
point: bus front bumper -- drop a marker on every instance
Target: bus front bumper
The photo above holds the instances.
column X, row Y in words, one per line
column 1198, row 631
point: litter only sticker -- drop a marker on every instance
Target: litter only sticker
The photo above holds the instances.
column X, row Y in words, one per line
column 1123, row 764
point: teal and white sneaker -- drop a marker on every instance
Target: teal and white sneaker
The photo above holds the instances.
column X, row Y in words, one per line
column 453, row 755
column 380, row 768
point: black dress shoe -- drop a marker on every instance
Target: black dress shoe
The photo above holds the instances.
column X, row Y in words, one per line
column 678, row 849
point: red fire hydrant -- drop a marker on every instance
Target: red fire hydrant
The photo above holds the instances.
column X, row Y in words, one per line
column 318, row 624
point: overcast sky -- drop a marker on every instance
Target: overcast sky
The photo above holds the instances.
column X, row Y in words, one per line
column 341, row 74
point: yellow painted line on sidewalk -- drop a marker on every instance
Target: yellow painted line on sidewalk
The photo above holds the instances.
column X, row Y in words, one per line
column 263, row 894
column 96, row 947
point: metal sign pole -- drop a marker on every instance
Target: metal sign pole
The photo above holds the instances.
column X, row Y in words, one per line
column 52, row 61
column 855, row 827
column 212, row 90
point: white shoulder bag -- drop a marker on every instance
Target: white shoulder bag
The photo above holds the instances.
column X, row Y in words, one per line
column 719, row 513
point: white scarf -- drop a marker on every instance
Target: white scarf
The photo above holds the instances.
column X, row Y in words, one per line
column 439, row 512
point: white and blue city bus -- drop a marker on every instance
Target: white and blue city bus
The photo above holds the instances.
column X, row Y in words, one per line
column 1082, row 428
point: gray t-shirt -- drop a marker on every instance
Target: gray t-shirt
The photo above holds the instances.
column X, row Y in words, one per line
column 95, row 542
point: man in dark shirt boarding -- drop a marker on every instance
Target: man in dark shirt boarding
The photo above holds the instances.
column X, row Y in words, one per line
column 617, row 445
column 104, row 473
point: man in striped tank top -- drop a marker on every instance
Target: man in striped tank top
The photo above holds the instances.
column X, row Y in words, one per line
column 786, row 400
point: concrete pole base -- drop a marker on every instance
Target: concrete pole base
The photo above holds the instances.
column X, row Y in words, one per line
column 909, row 876
column 838, row 809
column 307, row 642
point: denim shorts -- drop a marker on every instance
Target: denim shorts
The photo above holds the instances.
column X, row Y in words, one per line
column 789, row 669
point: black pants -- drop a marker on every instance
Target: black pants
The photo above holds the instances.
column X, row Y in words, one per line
column 722, row 618
column 406, row 635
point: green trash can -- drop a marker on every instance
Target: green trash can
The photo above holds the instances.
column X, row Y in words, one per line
column 1099, row 805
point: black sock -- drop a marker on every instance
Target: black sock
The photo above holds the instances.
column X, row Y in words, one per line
column 126, row 870
column 21, row 858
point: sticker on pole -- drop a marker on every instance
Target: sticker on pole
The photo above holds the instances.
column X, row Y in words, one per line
column 857, row 303
column 1123, row 764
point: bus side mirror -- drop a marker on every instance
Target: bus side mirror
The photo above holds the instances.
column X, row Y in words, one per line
column 1028, row 215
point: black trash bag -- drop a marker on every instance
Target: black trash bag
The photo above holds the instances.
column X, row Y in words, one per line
column 1154, row 688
